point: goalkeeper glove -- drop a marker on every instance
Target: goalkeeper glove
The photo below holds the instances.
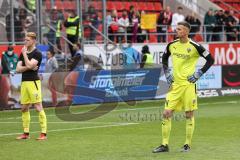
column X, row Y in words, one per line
column 169, row 77
column 196, row 75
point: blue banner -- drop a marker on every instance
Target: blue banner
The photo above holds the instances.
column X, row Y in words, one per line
column 116, row 85
column 43, row 49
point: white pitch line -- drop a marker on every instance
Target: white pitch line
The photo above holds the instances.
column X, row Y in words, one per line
column 131, row 109
column 80, row 122
column 72, row 129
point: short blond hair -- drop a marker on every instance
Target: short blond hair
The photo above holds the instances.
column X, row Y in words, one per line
column 31, row 35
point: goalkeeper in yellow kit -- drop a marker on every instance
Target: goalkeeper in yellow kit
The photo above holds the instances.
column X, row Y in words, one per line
column 182, row 92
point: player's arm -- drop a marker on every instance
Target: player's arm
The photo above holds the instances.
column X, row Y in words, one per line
column 209, row 62
column 144, row 58
column 31, row 64
column 165, row 58
column 20, row 68
column 166, row 70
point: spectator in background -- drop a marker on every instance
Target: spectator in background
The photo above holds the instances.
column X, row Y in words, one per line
column 94, row 21
column 78, row 59
column 123, row 23
column 209, row 22
column 9, row 61
column 231, row 28
column 130, row 28
column 135, row 24
column 25, row 19
column 112, row 24
column 9, row 64
column 195, row 24
column 4, row 94
column 218, row 29
column 54, row 34
column 177, row 17
column 147, row 58
column 30, row 4
column 72, row 29
column 163, row 21
column 51, row 35
column 51, row 67
column 131, row 56
column 18, row 29
column 130, row 13
column 51, row 64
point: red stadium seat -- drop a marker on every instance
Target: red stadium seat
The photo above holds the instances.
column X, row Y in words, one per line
column 158, row 6
column 150, row 6
column 48, row 5
column 153, row 38
column 69, row 5
column 110, row 5
column 59, row 5
column 127, row 5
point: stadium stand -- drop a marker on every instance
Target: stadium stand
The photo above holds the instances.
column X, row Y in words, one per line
column 229, row 5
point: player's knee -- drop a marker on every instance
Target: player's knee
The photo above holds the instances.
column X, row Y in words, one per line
column 167, row 114
column 189, row 114
column 38, row 107
column 24, row 109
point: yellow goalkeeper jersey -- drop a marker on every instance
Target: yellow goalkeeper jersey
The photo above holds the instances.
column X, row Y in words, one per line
column 184, row 59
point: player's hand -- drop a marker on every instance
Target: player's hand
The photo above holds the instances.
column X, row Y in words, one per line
column 35, row 68
column 24, row 50
column 169, row 79
column 193, row 78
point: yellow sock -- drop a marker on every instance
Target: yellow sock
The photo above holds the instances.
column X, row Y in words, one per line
column 190, row 123
column 166, row 128
column 43, row 121
column 26, row 121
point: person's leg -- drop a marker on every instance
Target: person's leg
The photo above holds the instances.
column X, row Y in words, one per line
column 58, row 43
column 190, row 103
column 42, row 117
column 166, row 126
column 166, row 129
column 36, row 100
column 26, row 117
column 25, row 101
column 25, row 121
column 190, row 124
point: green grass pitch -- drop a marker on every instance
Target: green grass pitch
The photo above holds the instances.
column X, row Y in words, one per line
column 128, row 132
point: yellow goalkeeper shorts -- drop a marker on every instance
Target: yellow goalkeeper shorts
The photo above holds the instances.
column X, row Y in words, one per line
column 31, row 92
column 180, row 97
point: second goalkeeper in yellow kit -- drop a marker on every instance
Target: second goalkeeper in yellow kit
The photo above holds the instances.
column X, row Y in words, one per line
column 182, row 92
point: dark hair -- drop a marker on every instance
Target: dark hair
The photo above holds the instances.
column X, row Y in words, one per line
column 10, row 48
column 145, row 49
column 184, row 23
column 131, row 7
column 51, row 51
column 179, row 7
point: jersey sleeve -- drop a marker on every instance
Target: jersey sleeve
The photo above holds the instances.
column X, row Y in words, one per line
column 165, row 57
column 206, row 55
